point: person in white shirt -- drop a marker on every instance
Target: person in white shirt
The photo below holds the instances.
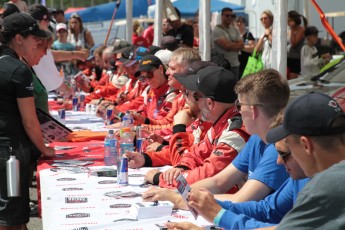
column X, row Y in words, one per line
column 311, row 59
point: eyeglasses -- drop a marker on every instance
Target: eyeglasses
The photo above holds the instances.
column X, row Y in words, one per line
column 196, row 95
column 148, row 75
column 284, row 155
column 230, row 15
column 238, row 104
column 31, row 28
column 261, row 19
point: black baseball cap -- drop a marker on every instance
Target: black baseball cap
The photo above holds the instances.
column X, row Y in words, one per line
column 131, row 55
column 120, row 45
column 20, row 23
column 148, row 63
column 40, row 12
column 311, row 114
column 211, row 80
column 10, row 9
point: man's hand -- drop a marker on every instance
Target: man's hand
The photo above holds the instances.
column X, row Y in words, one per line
column 136, row 160
column 182, row 226
column 203, row 201
column 155, row 138
column 183, row 117
column 138, row 118
column 154, row 194
column 150, row 174
column 152, row 147
column 171, row 174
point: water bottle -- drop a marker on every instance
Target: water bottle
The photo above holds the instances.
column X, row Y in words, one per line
column 13, row 177
column 62, row 116
column 126, row 144
column 110, row 149
column 127, row 119
column 139, row 139
column 82, row 102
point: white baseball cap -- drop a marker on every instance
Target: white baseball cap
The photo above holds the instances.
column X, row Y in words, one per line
column 61, row 26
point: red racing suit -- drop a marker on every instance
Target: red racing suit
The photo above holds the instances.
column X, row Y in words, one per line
column 223, row 141
column 196, row 132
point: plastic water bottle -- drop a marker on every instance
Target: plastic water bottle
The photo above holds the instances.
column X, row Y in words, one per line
column 127, row 119
column 110, row 149
column 13, row 177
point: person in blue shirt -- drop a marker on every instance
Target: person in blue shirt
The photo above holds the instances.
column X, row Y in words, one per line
column 251, row 214
column 261, row 97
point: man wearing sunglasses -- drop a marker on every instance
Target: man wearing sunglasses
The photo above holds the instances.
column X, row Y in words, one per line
column 212, row 88
column 261, row 97
column 255, row 214
column 227, row 39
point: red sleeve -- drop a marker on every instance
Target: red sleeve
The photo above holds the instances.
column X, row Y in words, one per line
column 131, row 105
column 206, row 160
column 160, row 158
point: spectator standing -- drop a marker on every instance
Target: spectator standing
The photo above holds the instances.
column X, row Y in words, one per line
column 137, row 38
column 296, row 42
column 227, row 40
column 79, row 36
column 166, row 26
column 311, row 60
column 22, row 6
column 59, row 16
column 249, row 43
column 148, row 34
column 264, row 44
column 19, row 127
column 181, row 31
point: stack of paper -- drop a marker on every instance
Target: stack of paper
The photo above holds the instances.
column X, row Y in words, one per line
column 146, row 210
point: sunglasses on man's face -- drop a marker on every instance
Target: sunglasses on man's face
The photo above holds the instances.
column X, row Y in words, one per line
column 196, row 95
column 239, row 104
column 148, row 75
column 229, row 15
column 284, row 155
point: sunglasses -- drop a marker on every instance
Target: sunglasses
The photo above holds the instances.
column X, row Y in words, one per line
column 284, row 155
column 148, row 75
column 229, row 15
column 196, row 95
column 261, row 19
column 238, row 104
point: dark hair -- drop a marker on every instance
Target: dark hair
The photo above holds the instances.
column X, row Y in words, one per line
column 76, row 16
column 240, row 18
column 297, row 18
column 178, row 12
column 226, row 9
column 311, row 30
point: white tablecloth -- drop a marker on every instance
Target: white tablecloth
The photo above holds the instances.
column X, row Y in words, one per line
column 83, row 201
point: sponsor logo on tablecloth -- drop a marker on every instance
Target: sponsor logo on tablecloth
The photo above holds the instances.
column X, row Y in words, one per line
column 78, row 215
column 69, row 200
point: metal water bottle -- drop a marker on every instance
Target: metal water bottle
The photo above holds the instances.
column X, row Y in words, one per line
column 13, row 177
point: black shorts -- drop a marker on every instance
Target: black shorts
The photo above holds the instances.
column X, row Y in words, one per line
column 15, row 210
column 294, row 65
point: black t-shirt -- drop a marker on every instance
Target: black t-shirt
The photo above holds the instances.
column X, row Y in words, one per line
column 243, row 56
column 15, row 82
column 183, row 35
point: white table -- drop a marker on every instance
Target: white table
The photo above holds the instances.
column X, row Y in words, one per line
column 80, row 201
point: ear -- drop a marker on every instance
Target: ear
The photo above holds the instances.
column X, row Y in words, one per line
column 255, row 112
column 19, row 39
column 308, row 145
column 209, row 103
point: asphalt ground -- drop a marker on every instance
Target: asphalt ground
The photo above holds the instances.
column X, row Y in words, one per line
column 35, row 222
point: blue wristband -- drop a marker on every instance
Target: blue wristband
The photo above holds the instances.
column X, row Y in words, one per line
column 218, row 217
